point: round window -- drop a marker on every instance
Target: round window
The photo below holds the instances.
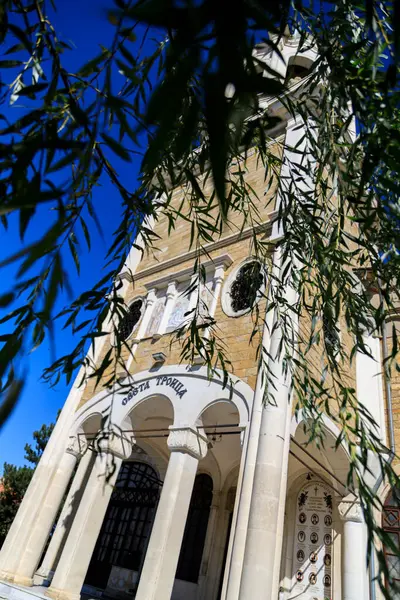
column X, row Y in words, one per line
column 243, row 288
column 131, row 319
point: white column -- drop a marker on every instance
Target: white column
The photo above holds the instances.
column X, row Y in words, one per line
column 370, row 382
column 230, row 590
column 35, row 496
column 40, row 531
column 75, row 559
column 170, row 301
column 45, row 573
column 141, row 332
column 218, row 280
column 263, row 549
column 354, row 550
column 187, row 448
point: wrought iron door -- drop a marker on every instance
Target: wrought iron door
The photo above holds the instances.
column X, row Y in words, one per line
column 128, row 522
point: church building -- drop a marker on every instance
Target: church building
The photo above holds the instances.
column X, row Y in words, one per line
column 199, row 491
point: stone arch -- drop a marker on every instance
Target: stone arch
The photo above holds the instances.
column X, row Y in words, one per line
column 385, row 487
column 190, row 392
column 332, row 460
column 224, row 442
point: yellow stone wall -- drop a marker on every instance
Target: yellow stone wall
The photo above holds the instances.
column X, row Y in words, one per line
column 233, row 332
column 236, row 241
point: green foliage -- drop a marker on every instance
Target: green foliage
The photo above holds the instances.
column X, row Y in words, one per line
column 15, row 481
column 41, row 437
column 202, row 105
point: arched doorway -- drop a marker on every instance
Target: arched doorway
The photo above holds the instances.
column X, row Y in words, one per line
column 127, row 525
column 196, row 528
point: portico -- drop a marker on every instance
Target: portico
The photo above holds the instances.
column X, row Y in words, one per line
column 151, row 422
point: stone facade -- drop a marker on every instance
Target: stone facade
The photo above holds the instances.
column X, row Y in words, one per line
column 197, row 491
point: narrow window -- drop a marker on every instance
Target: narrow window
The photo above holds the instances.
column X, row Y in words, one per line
column 131, row 319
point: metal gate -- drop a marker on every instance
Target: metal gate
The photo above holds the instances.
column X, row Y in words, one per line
column 128, row 522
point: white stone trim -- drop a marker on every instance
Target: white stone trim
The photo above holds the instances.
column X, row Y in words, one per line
column 207, row 248
column 180, row 276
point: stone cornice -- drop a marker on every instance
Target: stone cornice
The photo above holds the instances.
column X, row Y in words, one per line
column 225, row 260
column 192, row 254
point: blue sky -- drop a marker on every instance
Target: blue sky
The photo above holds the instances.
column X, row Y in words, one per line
column 84, row 23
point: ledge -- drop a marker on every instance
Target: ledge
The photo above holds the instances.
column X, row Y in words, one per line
column 230, row 239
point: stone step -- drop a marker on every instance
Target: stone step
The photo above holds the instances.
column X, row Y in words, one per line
column 9, row 591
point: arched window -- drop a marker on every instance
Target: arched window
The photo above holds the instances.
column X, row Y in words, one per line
column 196, row 529
column 131, row 319
column 127, row 525
column 391, row 525
column 243, row 288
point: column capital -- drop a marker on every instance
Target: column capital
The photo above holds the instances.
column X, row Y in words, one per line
column 171, row 290
column 188, row 440
column 117, row 444
column 73, row 446
column 151, row 297
column 219, row 274
column 350, row 509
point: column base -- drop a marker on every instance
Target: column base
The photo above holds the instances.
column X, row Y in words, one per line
column 6, row 576
column 61, row 594
column 43, row 577
column 23, row 580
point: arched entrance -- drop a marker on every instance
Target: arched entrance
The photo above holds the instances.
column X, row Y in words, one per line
column 127, row 525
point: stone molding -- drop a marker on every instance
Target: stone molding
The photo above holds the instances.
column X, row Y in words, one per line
column 188, row 440
column 162, row 281
column 350, row 509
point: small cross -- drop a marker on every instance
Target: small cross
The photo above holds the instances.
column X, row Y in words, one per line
column 316, row 490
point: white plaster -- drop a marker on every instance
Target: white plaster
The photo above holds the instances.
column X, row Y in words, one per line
column 370, row 383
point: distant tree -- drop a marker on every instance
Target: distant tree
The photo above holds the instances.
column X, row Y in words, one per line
column 15, row 480
column 41, row 437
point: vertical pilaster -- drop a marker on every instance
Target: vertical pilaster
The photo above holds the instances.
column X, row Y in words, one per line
column 263, row 548
column 218, row 280
column 171, row 295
